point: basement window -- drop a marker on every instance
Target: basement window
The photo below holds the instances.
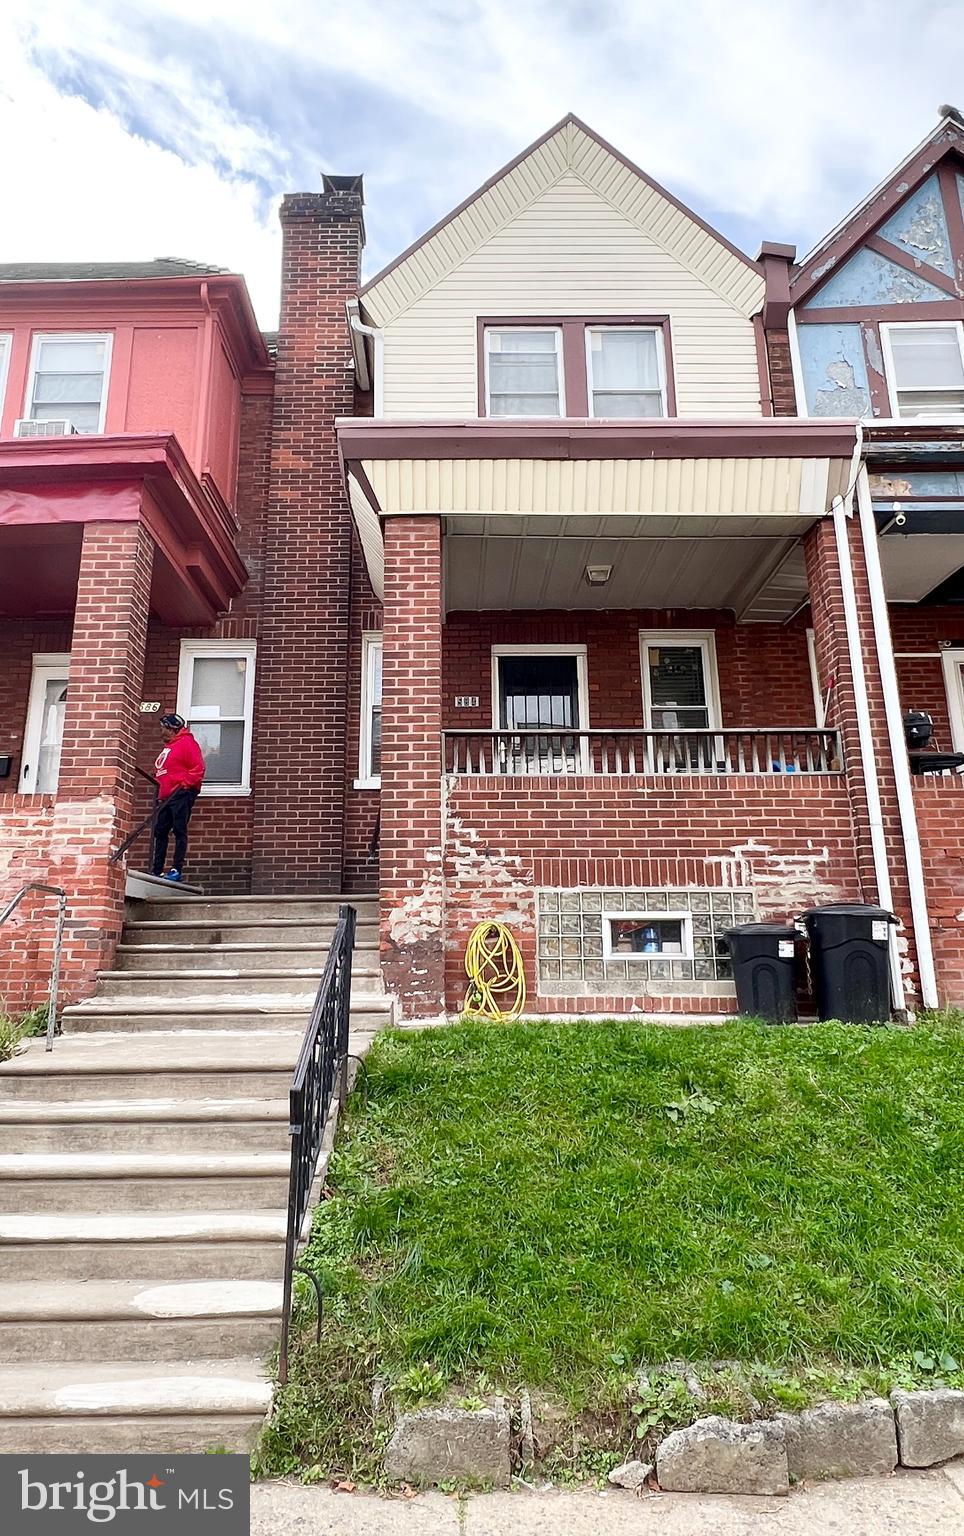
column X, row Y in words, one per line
column 215, row 695
column 641, row 935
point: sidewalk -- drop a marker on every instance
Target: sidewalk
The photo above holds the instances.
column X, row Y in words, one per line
column 908, row 1504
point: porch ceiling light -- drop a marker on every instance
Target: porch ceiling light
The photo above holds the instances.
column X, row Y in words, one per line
column 598, row 575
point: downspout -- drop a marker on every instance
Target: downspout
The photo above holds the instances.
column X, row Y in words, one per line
column 378, row 353
column 841, row 514
column 898, row 747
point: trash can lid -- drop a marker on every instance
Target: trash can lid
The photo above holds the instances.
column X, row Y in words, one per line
column 781, row 930
column 851, row 909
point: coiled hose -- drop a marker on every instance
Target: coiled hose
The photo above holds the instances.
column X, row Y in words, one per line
column 497, row 979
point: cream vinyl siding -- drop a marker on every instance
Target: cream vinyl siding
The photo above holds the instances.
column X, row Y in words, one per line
column 569, row 253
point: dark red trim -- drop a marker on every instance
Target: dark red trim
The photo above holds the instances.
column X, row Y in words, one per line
column 951, row 198
column 946, row 140
column 762, row 366
column 517, row 160
column 575, row 362
column 902, row 258
column 777, row 437
column 902, row 314
column 876, row 377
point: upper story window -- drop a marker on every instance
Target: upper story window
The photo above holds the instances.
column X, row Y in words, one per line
column 215, row 695
column 626, row 371
column 925, row 368
column 6, row 341
column 524, row 372
column 68, row 380
column 577, row 367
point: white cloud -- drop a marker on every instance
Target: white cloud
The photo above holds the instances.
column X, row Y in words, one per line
column 773, row 117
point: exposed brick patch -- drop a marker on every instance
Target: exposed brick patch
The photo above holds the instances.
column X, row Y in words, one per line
column 780, row 366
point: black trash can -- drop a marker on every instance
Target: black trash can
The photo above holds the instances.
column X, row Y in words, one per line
column 764, row 970
column 849, row 962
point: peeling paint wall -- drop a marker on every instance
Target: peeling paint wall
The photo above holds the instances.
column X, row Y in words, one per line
column 834, row 370
column 919, row 225
column 869, row 278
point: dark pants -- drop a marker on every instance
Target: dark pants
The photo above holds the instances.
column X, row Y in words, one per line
column 173, row 815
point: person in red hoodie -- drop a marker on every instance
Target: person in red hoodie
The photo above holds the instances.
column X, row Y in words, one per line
column 179, row 772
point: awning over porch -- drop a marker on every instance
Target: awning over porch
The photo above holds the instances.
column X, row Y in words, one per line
column 690, row 514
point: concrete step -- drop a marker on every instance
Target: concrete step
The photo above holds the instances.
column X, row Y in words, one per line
column 254, row 909
column 165, row 958
column 57, row 1321
column 188, row 1064
column 173, row 1245
column 144, row 1125
column 271, row 931
column 226, row 984
column 369, row 1012
column 150, row 1181
column 120, row 1408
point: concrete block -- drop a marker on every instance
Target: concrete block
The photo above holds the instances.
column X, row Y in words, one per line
column 716, row 1455
column 930, row 1426
column 840, row 1440
column 437, row 1445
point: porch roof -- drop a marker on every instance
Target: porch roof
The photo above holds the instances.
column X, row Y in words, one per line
column 607, row 485
column 50, row 487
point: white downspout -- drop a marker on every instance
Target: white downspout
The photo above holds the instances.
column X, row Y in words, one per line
column 898, row 746
column 878, row 841
column 378, row 354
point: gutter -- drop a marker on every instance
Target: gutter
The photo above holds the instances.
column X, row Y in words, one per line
column 898, row 746
column 842, row 513
column 368, row 378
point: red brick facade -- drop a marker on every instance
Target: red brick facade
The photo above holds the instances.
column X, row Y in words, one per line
column 940, row 822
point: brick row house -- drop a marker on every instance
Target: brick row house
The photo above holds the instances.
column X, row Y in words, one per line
column 575, row 571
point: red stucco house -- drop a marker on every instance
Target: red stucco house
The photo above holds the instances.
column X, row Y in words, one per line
column 548, row 576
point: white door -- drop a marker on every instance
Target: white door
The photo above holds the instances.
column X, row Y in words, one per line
column 953, row 664
column 44, row 735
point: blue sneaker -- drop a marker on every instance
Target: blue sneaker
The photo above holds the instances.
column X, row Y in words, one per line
column 173, row 875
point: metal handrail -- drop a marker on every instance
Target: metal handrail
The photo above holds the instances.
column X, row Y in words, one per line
column 321, row 1068
column 49, row 890
column 142, row 825
column 679, row 749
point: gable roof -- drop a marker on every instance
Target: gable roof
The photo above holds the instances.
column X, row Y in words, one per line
column 945, row 142
column 568, row 147
column 104, row 271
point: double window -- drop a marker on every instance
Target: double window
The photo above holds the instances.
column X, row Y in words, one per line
column 573, row 367
column 68, row 380
column 215, row 695
column 925, row 368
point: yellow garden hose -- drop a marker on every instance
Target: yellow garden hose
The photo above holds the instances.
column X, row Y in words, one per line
column 497, row 979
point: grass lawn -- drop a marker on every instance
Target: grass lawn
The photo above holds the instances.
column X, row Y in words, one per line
column 557, row 1205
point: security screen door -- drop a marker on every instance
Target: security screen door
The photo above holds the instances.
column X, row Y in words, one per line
column 538, row 695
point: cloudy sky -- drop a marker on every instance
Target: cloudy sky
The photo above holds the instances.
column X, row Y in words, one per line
column 138, row 128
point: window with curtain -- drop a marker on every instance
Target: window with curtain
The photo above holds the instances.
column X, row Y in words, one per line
column 216, row 698
column 626, row 371
column 68, row 379
column 926, row 369
column 370, row 733
column 524, row 372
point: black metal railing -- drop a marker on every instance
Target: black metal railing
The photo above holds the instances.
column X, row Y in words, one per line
column 12, row 905
column 770, row 750
column 142, row 826
column 321, row 1077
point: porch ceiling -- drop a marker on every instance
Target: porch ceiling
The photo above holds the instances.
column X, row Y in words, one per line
column 658, row 562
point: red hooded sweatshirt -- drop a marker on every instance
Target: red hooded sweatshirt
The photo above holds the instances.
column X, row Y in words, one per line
column 179, row 765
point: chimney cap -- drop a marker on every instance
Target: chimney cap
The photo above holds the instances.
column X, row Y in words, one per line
column 343, row 185
column 774, row 248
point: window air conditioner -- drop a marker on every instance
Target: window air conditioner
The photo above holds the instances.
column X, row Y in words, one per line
column 61, row 427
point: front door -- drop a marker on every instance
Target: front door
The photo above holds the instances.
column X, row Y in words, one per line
column 953, row 664
column 44, row 734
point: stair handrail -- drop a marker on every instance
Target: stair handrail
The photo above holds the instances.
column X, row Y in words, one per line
column 148, row 821
column 12, row 905
column 320, row 1076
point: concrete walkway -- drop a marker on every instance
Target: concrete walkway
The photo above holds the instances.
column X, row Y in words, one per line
column 908, row 1504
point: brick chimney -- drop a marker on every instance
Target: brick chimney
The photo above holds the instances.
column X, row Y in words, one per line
column 776, row 261
column 299, row 730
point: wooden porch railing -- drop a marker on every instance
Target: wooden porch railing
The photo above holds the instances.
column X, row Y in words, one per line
column 769, row 751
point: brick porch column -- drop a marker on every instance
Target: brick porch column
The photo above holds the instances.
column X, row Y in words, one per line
column 833, row 660
column 412, row 906
column 93, row 810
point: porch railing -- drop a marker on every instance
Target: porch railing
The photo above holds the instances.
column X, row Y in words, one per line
column 322, row 1068
column 768, row 751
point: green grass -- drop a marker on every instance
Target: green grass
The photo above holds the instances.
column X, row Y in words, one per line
column 556, row 1205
